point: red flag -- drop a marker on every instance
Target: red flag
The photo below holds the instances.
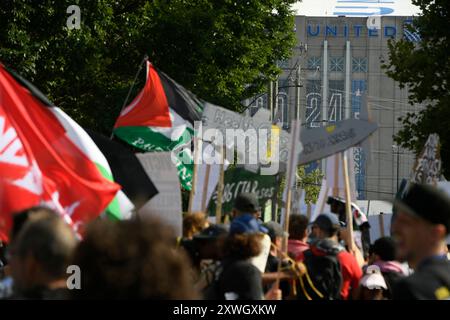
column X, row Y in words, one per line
column 39, row 164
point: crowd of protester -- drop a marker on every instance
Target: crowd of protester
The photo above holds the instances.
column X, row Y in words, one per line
column 142, row 259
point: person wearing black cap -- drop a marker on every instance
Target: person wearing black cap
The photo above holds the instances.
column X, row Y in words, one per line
column 420, row 227
column 246, row 203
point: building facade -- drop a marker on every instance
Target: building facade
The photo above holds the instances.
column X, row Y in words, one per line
column 340, row 66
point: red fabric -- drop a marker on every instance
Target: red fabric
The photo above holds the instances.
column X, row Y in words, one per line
column 296, row 249
column 40, row 164
column 351, row 273
column 150, row 108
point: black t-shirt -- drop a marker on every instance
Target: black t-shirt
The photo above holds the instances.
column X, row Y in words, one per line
column 431, row 281
column 240, row 280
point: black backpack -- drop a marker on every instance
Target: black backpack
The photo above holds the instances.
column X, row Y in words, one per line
column 323, row 278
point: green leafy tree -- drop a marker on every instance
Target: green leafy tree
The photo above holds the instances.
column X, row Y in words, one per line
column 424, row 68
column 310, row 183
column 222, row 50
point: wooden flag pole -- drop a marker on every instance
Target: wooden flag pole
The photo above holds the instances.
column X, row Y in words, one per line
column 220, row 187
column 381, row 223
column 290, row 172
column 348, row 202
column 197, row 147
column 205, row 187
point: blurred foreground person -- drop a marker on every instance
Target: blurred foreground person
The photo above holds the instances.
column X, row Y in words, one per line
column 40, row 256
column 194, row 223
column 19, row 220
column 132, row 259
column 420, row 228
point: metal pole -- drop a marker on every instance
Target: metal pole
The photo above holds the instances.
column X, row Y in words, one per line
column 270, row 99
column 297, row 92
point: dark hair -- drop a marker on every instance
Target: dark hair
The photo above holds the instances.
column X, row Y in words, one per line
column 297, row 226
column 385, row 248
column 50, row 241
column 132, row 259
column 242, row 246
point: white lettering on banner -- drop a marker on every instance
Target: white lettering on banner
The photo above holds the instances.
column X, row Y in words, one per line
column 428, row 168
column 10, row 146
column 32, row 181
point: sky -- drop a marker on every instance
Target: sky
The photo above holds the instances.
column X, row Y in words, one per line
column 356, row 8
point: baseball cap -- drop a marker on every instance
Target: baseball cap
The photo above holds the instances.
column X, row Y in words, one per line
column 426, row 202
column 327, row 221
column 246, row 202
column 274, row 229
column 212, row 232
column 246, row 224
column 373, row 279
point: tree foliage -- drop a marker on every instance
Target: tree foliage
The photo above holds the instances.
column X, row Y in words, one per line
column 222, row 50
column 424, row 68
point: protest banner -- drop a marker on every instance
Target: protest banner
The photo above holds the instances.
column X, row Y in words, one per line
column 427, row 169
column 237, row 180
column 318, row 143
column 166, row 205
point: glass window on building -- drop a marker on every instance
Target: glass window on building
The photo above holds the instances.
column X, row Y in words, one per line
column 314, row 63
column 283, row 64
column 359, row 64
column 337, row 64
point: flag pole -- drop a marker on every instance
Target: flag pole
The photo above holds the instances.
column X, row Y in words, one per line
column 290, row 172
column 220, row 187
column 348, row 202
column 205, row 187
column 131, row 88
column 197, row 147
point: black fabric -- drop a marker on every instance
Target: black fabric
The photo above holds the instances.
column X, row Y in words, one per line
column 180, row 99
column 324, row 270
column 126, row 169
column 427, row 202
column 41, row 293
column 425, row 281
column 391, row 278
column 272, row 266
column 33, row 90
column 241, row 278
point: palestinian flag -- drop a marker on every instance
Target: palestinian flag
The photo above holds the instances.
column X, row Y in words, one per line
column 127, row 170
column 45, row 158
column 161, row 118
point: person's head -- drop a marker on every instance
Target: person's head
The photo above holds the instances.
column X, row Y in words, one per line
column 193, row 223
column 244, row 239
column 275, row 232
column 382, row 249
column 246, row 203
column 326, row 226
column 421, row 224
column 209, row 241
column 31, row 214
column 298, row 226
column 41, row 253
column 372, row 284
column 132, row 259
